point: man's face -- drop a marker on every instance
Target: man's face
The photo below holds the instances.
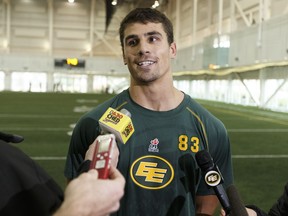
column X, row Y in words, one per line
column 146, row 51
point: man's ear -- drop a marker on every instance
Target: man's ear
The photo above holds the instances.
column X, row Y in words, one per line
column 173, row 50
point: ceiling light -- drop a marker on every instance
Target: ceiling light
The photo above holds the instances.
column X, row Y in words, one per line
column 5, row 43
column 156, row 4
column 114, row 2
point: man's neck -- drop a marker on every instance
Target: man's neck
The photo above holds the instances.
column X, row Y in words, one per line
column 156, row 98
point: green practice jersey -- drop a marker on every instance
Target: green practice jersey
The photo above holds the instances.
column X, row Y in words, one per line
column 158, row 161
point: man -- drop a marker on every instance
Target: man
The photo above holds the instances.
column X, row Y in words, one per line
column 26, row 189
column 158, row 161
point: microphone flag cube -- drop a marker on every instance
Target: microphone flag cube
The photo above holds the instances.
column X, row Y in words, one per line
column 117, row 123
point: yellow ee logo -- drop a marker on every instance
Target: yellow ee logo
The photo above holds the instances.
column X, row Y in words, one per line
column 151, row 172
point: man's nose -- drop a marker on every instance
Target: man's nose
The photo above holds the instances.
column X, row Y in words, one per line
column 143, row 48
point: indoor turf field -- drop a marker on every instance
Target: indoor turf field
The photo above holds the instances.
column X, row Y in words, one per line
column 259, row 138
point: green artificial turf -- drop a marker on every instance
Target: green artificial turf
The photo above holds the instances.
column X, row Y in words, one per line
column 45, row 120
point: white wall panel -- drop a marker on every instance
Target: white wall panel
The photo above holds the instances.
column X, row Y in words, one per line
column 72, row 34
column 33, row 33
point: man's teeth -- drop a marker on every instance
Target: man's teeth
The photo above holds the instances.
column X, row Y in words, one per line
column 145, row 63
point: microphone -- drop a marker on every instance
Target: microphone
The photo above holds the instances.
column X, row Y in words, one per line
column 117, row 123
column 13, row 138
column 114, row 125
column 237, row 206
column 213, row 177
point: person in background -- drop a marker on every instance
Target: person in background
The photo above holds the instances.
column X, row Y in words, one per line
column 26, row 188
column 279, row 208
column 158, row 161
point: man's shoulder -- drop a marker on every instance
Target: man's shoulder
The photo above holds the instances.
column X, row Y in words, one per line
column 202, row 111
column 197, row 107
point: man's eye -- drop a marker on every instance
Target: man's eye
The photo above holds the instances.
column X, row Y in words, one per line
column 153, row 39
column 132, row 42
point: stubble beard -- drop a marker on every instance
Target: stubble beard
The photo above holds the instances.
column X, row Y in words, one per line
column 144, row 78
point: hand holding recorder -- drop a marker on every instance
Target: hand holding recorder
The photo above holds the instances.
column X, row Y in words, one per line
column 115, row 125
column 103, row 153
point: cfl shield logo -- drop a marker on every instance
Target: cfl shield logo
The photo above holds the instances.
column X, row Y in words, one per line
column 151, row 172
column 213, row 178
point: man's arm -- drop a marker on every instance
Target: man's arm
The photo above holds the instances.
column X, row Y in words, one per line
column 206, row 205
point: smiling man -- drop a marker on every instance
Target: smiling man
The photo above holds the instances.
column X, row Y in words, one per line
column 158, row 161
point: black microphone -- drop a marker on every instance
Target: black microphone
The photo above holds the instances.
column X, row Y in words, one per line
column 237, row 206
column 213, row 178
column 13, row 138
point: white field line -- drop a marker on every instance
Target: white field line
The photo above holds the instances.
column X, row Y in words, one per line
column 48, row 158
column 261, row 130
column 229, row 130
column 233, row 156
column 243, row 130
column 259, row 156
column 37, row 129
column 35, row 116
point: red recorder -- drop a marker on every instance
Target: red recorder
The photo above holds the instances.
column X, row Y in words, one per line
column 102, row 155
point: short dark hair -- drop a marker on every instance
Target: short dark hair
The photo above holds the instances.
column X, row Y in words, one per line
column 146, row 15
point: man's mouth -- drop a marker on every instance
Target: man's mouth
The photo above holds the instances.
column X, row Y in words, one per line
column 145, row 63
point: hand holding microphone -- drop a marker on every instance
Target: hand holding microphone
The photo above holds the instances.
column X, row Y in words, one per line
column 115, row 125
column 213, row 177
column 231, row 202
